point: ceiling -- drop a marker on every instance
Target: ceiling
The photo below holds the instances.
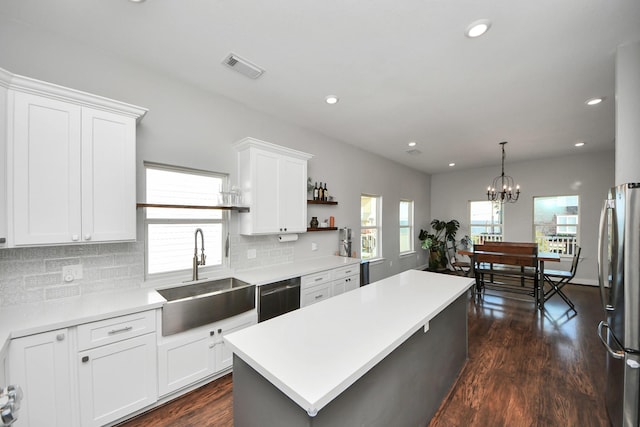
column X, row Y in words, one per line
column 403, row 70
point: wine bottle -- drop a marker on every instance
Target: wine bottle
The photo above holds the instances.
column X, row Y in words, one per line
column 325, row 193
column 320, row 192
column 315, row 191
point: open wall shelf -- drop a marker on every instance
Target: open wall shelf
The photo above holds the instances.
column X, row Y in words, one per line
column 320, row 202
column 223, row 208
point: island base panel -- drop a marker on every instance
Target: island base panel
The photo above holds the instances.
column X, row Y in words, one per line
column 404, row 389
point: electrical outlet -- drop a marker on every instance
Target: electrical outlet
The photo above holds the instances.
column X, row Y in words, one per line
column 72, row 272
column 251, row 253
column 314, row 246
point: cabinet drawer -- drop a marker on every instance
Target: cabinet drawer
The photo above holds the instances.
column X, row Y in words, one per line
column 108, row 331
column 315, row 279
column 341, row 272
column 315, row 294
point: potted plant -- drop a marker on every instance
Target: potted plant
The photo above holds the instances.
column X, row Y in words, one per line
column 436, row 242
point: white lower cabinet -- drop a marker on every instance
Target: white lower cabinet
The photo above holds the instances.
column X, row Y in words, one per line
column 41, row 365
column 345, row 279
column 117, row 367
column 315, row 288
column 315, row 294
column 185, row 359
column 188, row 357
column 224, row 355
column 326, row 284
column 117, row 379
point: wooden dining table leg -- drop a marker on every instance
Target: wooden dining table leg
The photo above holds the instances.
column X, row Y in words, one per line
column 540, row 288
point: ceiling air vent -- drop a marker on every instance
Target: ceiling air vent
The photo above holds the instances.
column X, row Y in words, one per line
column 413, row 152
column 242, row 66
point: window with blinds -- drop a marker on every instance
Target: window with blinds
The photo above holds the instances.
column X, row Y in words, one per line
column 406, row 226
column 170, row 232
column 370, row 226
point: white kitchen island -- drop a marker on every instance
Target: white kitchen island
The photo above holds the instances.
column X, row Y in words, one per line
column 383, row 354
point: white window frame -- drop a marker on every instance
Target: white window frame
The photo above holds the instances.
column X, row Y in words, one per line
column 186, row 274
column 564, row 223
column 409, row 227
column 495, row 237
column 378, row 227
column 564, row 245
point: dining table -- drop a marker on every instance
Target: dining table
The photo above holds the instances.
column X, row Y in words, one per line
column 542, row 258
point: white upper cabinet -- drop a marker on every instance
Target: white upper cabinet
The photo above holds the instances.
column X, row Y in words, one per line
column 3, row 159
column 70, row 166
column 108, row 176
column 273, row 180
column 44, row 154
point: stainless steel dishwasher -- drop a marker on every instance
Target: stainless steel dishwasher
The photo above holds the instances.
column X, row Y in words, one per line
column 278, row 298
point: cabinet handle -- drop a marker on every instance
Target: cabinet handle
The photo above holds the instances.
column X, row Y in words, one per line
column 319, row 279
column 347, row 272
column 3, row 240
column 212, row 333
column 60, row 337
column 75, row 237
column 85, row 359
column 219, row 331
column 319, row 296
column 213, row 344
column 87, row 237
column 118, row 331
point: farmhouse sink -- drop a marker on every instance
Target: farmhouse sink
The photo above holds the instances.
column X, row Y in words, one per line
column 197, row 304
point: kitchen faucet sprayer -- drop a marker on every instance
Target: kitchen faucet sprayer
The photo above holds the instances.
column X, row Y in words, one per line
column 196, row 261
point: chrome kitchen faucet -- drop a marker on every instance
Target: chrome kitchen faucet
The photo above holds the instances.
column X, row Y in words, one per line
column 201, row 261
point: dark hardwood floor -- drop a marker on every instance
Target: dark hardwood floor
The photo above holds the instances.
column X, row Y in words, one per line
column 525, row 368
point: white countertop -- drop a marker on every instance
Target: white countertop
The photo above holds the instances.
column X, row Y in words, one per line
column 315, row 353
column 31, row 319
column 263, row 275
column 28, row 319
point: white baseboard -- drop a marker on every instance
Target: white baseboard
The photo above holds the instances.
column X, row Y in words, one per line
column 588, row 282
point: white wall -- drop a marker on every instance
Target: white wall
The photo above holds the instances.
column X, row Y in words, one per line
column 189, row 127
column 587, row 175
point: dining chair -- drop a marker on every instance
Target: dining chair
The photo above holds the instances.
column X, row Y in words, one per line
column 459, row 266
column 557, row 279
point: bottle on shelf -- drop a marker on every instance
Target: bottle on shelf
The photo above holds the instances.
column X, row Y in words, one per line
column 325, row 193
column 320, row 192
column 315, row 191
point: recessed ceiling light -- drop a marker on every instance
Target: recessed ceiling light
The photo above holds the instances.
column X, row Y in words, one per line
column 579, row 144
column 412, row 144
column 477, row 28
column 451, row 165
column 594, row 101
column 136, row 1
column 331, row 99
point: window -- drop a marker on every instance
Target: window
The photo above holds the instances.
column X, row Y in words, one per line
column 170, row 233
column 406, row 226
column 486, row 221
column 556, row 221
column 371, row 228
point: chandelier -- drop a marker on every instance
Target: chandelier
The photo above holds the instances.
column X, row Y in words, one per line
column 504, row 185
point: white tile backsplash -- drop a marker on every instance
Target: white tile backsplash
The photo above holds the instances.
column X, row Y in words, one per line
column 35, row 274
column 269, row 251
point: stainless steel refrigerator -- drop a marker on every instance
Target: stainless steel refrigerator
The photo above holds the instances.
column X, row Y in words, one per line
column 619, row 277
